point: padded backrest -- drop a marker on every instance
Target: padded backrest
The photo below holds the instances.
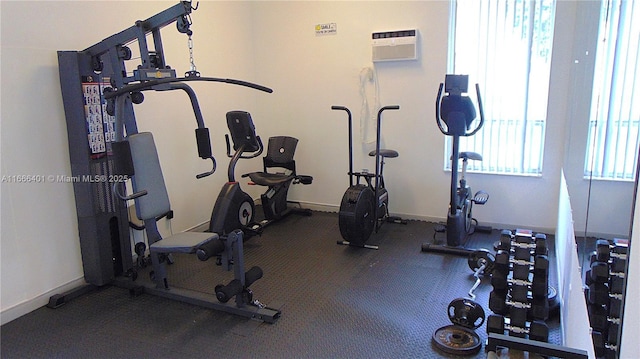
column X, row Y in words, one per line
column 280, row 152
column 148, row 176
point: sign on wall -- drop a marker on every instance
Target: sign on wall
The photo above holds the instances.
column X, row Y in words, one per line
column 326, row 29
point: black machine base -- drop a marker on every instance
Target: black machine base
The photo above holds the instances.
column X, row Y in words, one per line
column 258, row 312
column 205, row 300
column 58, row 300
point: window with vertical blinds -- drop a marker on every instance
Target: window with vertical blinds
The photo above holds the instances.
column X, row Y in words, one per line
column 612, row 146
column 505, row 47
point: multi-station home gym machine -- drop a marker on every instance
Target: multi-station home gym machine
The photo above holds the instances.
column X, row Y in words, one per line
column 106, row 150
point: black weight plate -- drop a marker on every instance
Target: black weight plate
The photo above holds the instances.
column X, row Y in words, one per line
column 466, row 313
column 454, row 339
column 479, row 257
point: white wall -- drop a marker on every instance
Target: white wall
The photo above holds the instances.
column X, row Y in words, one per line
column 274, row 44
column 312, row 73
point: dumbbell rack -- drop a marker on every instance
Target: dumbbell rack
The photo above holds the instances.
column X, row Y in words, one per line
column 604, row 281
column 520, row 280
column 520, row 297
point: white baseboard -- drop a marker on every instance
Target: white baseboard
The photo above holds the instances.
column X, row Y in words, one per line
column 30, row 305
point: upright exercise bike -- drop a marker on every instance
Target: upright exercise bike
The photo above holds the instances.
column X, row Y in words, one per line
column 455, row 114
column 365, row 207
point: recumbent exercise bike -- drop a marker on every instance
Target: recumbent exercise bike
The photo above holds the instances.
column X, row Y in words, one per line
column 234, row 208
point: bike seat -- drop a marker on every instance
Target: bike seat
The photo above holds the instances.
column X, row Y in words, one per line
column 385, row 153
column 471, row 156
column 268, row 179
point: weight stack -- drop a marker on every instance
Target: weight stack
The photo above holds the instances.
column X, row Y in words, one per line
column 520, row 281
column 604, row 282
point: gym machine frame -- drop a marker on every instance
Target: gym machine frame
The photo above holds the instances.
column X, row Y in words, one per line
column 98, row 96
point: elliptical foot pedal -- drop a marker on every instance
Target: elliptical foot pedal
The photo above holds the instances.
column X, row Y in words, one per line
column 481, row 197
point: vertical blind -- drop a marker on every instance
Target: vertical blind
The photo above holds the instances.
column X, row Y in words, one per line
column 612, row 146
column 505, row 47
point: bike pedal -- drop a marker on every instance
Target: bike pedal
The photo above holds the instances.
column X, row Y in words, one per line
column 481, row 197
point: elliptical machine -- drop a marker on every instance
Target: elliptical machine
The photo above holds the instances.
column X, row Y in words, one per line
column 454, row 116
column 365, row 207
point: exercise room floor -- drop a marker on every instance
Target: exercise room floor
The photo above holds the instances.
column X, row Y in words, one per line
column 337, row 302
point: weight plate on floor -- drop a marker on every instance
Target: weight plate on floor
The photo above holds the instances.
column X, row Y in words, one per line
column 465, row 312
column 479, row 257
column 454, row 339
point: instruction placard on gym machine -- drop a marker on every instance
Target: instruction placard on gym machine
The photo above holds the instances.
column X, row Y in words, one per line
column 100, row 125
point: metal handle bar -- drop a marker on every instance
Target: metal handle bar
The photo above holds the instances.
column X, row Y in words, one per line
column 196, row 111
column 479, row 110
column 129, row 197
column 241, row 150
column 213, row 169
column 350, row 142
column 147, row 85
column 438, row 100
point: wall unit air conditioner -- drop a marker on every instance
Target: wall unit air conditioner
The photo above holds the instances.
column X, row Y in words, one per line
column 394, row 45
